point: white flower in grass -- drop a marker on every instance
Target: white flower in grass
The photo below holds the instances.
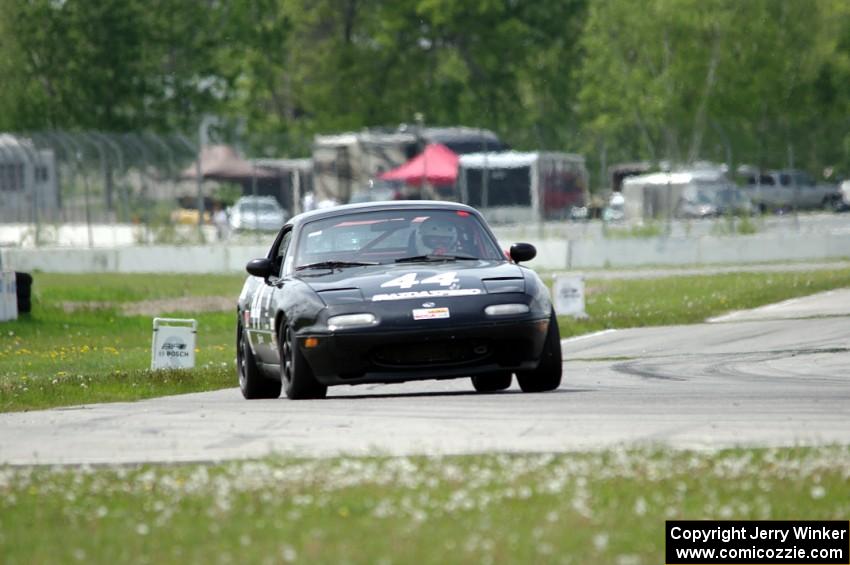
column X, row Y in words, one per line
column 288, row 553
column 293, row 515
column 600, row 541
column 142, row 529
column 383, row 510
column 818, row 492
column 640, row 506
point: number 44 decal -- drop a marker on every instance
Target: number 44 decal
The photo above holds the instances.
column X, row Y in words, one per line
column 409, row 280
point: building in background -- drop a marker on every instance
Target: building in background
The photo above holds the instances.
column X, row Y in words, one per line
column 28, row 186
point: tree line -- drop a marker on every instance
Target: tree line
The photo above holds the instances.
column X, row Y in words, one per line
column 761, row 81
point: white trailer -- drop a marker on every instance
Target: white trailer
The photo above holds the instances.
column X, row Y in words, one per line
column 515, row 187
column 346, row 162
column 690, row 193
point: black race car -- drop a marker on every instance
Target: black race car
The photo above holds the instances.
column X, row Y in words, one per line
column 390, row 292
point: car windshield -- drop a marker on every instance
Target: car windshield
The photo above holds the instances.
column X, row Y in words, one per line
column 386, row 236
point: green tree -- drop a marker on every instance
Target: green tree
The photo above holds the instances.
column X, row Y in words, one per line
column 324, row 65
column 108, row 64
column 688, row 79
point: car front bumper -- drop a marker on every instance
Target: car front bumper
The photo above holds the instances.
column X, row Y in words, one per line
column 355, row 357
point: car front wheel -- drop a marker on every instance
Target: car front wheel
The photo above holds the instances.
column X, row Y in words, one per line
column 252, row 382
column 297, row 376
column 547, row 375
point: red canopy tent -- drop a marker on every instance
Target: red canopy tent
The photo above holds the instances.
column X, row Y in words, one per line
column 436, row 165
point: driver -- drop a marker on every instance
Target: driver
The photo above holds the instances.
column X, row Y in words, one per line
column 436, row 237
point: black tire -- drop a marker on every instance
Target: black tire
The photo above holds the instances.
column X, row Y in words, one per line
column 23, row 282
column 547, row 375
column 492, row 382
column 24, row 303
column 252, row 382
column 295, row 373
column 832, row 204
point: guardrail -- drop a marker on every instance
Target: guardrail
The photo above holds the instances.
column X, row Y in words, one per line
column 556, row 254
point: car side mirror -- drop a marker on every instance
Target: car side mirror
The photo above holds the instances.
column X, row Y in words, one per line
column 260, row 267
column 523, row 252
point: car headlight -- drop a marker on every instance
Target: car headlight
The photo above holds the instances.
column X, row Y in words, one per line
column 506, row 309
column 345, row 321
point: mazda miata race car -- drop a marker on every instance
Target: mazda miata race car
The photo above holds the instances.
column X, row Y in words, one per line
column 390, row 292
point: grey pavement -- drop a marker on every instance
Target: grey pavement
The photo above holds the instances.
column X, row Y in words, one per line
column 759, row 381
column 831, row 303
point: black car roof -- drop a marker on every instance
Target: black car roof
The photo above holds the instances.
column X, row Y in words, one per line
column 372, row 206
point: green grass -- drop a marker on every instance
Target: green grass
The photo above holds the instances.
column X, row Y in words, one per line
column 690, row 299
column 605, row 507
column 56, row 358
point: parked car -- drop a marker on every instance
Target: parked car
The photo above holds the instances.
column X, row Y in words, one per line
column 782, row 190
column 732, row 201
column 188, row 216
column 615, row 211
column 187, row 213
column 261, row 213
column 391, row 292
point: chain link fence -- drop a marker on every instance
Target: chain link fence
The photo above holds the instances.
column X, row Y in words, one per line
column 96, row 188
column 91, row 188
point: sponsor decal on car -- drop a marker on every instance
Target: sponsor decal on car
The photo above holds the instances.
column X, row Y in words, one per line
column 408, row 280
column 430, row 313
column 426, row 294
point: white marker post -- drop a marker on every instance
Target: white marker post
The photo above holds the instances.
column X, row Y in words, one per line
column 173, row 343
column 568, row 296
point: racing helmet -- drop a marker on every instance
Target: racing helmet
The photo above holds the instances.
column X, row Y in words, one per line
column 436, row 235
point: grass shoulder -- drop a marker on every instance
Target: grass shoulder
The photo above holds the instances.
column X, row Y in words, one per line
column 673, row 300
column 601, row 507
column 82, row 344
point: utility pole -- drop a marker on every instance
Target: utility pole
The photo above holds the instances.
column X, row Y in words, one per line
column 203, row 139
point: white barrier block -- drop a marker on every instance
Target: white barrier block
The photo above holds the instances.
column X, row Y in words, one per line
column 173, row 343
column 8, row 296
column 568, row 296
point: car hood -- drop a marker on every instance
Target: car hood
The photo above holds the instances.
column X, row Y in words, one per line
column 414, row 281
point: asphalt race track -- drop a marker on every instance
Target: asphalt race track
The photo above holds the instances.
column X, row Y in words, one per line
column 779, row 375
